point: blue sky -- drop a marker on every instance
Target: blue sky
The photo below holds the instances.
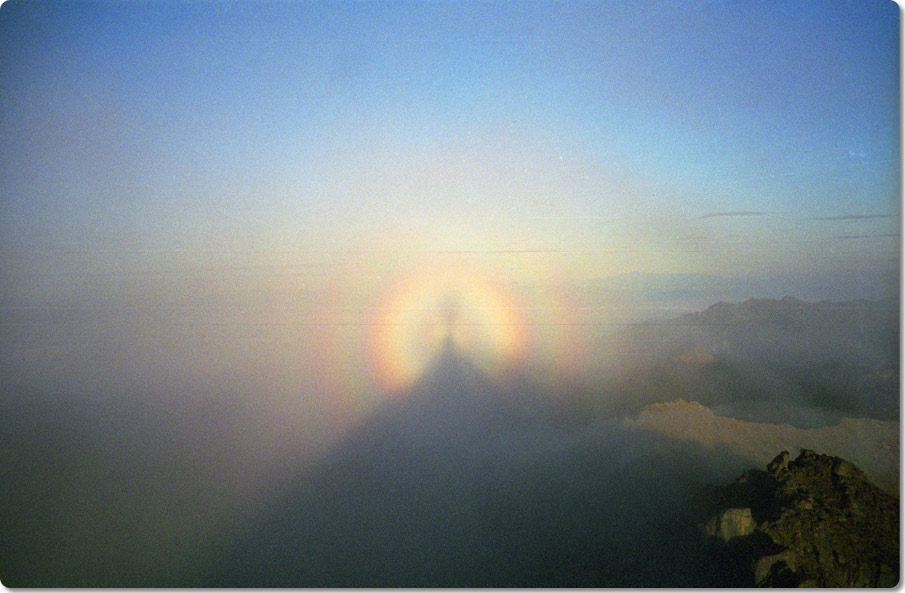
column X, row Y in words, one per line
column 726, row 138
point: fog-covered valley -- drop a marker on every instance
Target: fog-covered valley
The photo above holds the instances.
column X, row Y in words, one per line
column 461, row 478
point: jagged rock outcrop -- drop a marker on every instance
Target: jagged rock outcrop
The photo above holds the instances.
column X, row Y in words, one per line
column 815, row 521
column 730, row 523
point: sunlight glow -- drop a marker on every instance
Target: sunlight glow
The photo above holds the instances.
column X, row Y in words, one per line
column 481, row 313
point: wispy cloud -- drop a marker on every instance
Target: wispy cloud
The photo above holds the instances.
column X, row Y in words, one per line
column 733, row 213
column 852, row 217
column 866, row 236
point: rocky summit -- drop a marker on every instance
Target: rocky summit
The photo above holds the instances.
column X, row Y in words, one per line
column 813, row 521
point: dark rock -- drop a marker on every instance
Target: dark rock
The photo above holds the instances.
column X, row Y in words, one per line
column 815, row 521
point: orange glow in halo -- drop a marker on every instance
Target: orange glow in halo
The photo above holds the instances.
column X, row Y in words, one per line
column 480, row 312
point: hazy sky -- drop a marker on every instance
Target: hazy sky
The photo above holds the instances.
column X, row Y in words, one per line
column 683, row 137
column 244, row 164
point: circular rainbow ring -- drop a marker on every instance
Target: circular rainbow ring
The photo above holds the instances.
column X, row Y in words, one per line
column 478, row 311
column 378, row 324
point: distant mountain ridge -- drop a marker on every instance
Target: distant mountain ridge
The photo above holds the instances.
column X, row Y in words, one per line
column 787, row 303
column 832, row 355
column 863, row 332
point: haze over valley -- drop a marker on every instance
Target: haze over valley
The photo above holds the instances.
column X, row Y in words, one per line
column 482, row 294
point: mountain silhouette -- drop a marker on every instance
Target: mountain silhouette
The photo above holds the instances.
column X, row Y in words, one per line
column 451, row 383
column 458, row 483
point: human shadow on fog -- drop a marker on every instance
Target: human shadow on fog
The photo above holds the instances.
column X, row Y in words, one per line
column 464, row 482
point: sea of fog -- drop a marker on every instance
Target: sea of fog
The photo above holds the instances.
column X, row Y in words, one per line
column 139, row 452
